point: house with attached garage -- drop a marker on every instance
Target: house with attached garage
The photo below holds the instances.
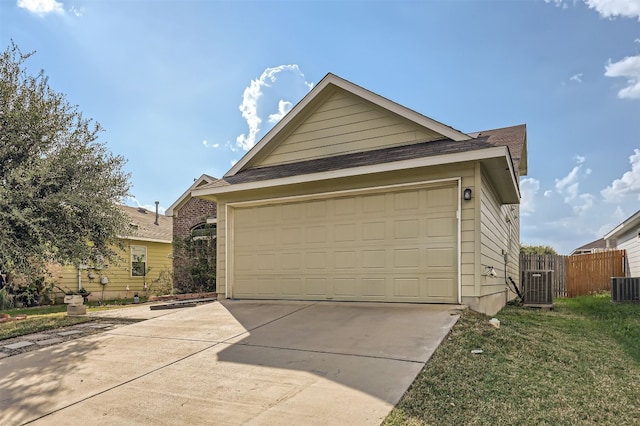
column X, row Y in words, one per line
column 352, row 197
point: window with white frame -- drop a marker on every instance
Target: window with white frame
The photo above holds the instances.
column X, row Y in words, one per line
column 138, row 261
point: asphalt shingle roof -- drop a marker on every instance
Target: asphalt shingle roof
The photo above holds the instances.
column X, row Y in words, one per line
column 143, row 226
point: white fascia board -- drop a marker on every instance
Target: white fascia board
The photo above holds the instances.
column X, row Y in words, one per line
column 631, row 222
column 496, row 152
column 358, row 91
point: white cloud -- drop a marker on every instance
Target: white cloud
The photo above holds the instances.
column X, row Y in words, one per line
column 585, row 202
column 628, row 184
column 629, row 67
column 77, row 12
column 558, row 3
column 569, row 186
column 548, row 193
column 637, row 40
column 130, row 200
column 615, row 8
column 283, row 108
column 253, row 93
column 576, row 77
column 41, row 7
column 529, row 188
column 210, row 145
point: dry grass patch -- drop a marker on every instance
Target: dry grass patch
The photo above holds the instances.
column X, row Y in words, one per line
column 577, row 364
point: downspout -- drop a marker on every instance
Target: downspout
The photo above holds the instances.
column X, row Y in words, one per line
column 459, row 237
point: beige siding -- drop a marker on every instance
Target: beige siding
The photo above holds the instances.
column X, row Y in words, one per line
column 500, row 235
column 468, row 220
column 118, row 273
column 630, row 243
column 344, row 124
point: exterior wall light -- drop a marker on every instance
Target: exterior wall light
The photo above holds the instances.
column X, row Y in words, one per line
column 467, row 194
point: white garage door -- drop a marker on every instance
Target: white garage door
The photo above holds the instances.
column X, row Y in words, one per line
column 398, row 246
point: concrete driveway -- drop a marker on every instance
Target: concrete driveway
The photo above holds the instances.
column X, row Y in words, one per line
column 231, row 362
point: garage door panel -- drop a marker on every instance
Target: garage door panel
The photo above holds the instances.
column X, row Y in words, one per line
column 374, row 259
column 396, row 246
column 316, row 260
column 291, row 236
column 406, row 258
column 373, row 231
column 374, row 288
column 406, row 229
column 440, row 288
column 441, row 227
column 291, row 287
column 440, row 258
column 316, row 286
column 407, row 288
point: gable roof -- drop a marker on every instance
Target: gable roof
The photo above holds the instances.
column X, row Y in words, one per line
column 597, row 244
column 502, row 152
column 317, row 95
column 201, row 181
column 142, row 225
column 629, row 224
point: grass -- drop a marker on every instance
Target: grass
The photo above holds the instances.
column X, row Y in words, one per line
column 43, row 318
column 577, row 364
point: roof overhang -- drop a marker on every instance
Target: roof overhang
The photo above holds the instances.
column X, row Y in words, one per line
column 204, row 179
column 626, row 226
column 495, row 161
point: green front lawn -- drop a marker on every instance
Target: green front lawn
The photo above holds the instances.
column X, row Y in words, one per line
column 578, row 364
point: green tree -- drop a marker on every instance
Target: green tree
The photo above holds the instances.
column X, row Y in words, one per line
column 537, row 250
column 59, row 186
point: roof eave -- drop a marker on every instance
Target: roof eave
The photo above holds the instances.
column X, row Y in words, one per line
column 175, row 206
column 631, row 222
column 496, row 161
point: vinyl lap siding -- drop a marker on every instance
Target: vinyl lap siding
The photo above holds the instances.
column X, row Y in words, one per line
column 500, row 230
column 345, row 124
column 630, row 243
column 119, row 272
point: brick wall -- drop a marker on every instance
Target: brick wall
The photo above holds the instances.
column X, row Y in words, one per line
column 194, row 212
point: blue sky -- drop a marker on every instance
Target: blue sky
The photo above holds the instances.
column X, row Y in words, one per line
column 185, row 87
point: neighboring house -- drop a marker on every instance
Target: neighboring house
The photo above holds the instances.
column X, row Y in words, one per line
column 144, row 263
column 593, row 247
column 352, row 197
column 626, row 236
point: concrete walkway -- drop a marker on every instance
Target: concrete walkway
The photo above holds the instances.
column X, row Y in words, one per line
column 235, row 362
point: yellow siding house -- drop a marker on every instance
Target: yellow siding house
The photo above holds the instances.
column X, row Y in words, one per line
column 144, row 264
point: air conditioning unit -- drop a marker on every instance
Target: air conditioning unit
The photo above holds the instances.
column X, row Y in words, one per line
column 537, row 287
column 625, row 289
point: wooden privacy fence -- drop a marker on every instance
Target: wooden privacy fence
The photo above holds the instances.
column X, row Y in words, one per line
column 547, row 262
column 591, row 273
